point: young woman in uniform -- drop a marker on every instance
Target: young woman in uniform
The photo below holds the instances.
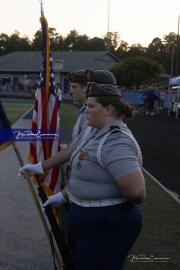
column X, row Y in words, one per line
column 106, row 184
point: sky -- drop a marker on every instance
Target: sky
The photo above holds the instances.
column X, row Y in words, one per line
column 137, row 21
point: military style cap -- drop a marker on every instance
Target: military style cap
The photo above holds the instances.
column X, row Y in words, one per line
column 98, row 90
column 99, row 76
column 77, row 76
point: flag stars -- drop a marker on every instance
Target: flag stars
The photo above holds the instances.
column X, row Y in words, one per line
column 42, row 78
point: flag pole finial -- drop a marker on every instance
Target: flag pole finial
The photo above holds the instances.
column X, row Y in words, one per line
column 41, row 5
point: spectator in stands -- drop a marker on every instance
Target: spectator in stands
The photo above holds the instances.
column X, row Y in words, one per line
column 150, row 100
column 59, row 95
column 16, row 88
column 156, row 101
column 144, row 91
column 141, row 103
column 161, row 100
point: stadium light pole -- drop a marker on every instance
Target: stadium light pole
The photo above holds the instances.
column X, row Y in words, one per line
column 177, row 49
column 108, row 27
column 172, row 57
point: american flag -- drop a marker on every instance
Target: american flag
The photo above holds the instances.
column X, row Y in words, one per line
column 46, row 117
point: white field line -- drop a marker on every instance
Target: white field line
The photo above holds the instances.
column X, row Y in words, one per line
column 174, row 195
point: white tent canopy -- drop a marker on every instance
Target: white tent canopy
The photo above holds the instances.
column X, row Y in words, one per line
column 175, row 81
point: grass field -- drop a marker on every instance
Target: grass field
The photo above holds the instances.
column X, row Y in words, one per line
column 68, row 115
column 160, row 236
column 15, row 111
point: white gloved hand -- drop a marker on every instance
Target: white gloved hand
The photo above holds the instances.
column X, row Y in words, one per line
column 63, row 146
column 32, row 169
column 55, row 200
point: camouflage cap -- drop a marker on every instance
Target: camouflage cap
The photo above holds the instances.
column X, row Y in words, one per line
column 99, row 76
column 97, row 90
column 77, row 76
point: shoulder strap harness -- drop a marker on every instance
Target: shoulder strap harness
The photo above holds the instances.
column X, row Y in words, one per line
column 115, row 129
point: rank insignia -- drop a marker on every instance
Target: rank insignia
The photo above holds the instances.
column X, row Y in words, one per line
column 83, row 154
column 89, row 90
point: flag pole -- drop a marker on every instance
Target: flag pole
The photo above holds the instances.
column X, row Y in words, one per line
column 58, row 212
column 39, row 209
column 41, row 6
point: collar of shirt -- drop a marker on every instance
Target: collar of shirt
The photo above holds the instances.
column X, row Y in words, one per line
column 83, row 108
column 105, row 130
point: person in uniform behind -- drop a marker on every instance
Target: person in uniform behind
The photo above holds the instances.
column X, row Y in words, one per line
column 106, row 184
column 78, row 86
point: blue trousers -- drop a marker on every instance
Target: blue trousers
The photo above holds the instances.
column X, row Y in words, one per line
column 104, row 235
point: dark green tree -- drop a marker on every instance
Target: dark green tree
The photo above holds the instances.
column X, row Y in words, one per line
column 25, row 44
column 37, row 41
column 96, row 44
column 53, row 37
column 122, row 49
column 61, row 44
column 156, row 49
column 3, row 42
column 136, row 71
column 71, row 39
column 166, row 51
column 135, row 50
column 56, row 41
column 81, row 44
column 162, row 51
column 16, row 43
column 112, row 41
column 171, row 59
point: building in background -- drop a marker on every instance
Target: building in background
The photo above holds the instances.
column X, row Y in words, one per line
column 23, row 67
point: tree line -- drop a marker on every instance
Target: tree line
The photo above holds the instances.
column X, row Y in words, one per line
column 165, row 51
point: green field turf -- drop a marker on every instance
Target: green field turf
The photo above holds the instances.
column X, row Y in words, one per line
column 160, row 236
column 68, row 115
column 15, row 111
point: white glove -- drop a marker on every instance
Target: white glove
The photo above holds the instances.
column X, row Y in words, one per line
column 32, row 169
column 63, row 146
column 55, row 200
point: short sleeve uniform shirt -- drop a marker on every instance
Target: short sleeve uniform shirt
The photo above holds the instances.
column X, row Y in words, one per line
column 87, row 179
